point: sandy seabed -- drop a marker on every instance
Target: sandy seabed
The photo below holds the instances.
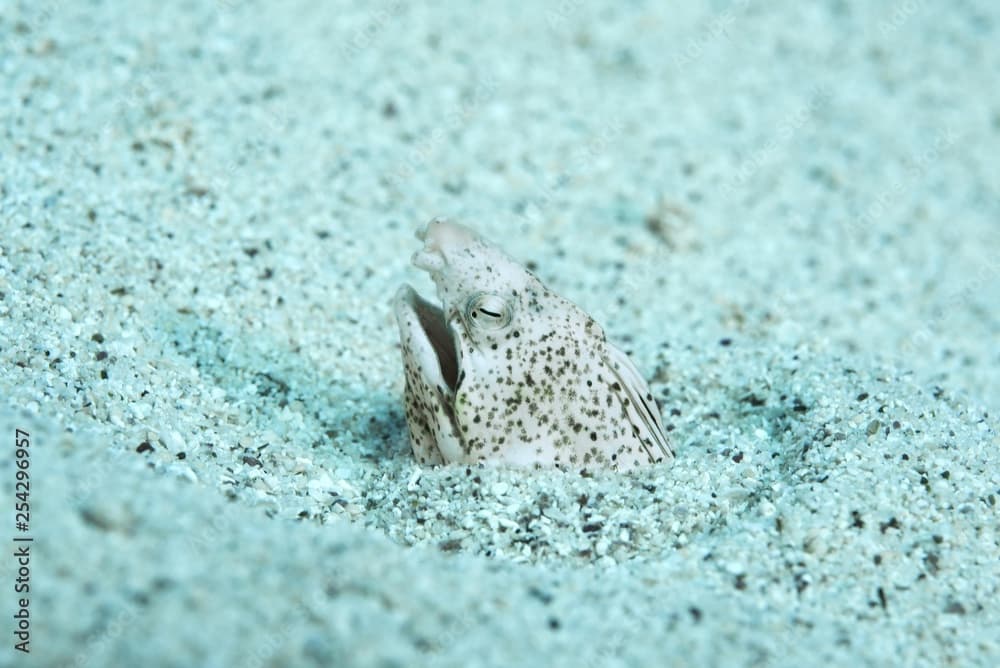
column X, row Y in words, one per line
column 788, row 213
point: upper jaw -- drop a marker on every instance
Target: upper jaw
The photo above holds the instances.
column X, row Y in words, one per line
column 441, row 234
column 442, row 239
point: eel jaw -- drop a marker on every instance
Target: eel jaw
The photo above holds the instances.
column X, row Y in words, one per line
column 422, row 324
column 432, row 363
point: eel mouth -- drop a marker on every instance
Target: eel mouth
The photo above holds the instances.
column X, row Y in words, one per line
column 426, row 337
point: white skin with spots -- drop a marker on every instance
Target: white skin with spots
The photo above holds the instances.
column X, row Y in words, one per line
column 507, row 371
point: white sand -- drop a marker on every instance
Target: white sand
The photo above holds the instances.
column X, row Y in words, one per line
column 206, row 209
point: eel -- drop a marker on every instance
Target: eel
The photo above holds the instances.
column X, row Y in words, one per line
column 503, row 370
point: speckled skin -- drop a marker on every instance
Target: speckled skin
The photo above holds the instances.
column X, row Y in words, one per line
column 509, row 371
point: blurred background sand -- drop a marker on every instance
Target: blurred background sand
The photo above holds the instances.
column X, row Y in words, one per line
column 788, row 213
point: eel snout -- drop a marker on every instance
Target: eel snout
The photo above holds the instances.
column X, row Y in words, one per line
column 442, row 239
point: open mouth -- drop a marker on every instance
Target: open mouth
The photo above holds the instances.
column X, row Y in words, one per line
column 427, row 339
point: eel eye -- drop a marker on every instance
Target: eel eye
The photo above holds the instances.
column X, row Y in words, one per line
column 488, row 311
